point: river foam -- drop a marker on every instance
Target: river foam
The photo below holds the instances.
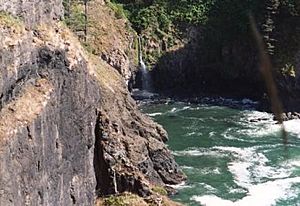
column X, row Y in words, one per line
column 234, row 157
column 264, row 194
column 154, row 114
column 293, row 126
column 198, row 152
column 259, row 124
column 251, row 166
column 248, row 168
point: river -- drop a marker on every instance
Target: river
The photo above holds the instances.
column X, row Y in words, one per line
column 231, row 155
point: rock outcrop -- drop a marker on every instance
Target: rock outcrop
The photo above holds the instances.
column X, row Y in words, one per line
column 67, row 123
column 33, row 12
column 111, row 38
column 48, row 105
column 141, row 154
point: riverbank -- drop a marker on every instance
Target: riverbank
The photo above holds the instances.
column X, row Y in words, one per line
column 143, row 98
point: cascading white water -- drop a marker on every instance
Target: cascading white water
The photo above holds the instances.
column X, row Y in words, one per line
column 146, row 78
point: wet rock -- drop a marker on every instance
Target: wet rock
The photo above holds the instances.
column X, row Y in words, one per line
column 289, row 116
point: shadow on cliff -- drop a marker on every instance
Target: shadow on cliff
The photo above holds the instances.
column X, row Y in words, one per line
column 223, row 60
column 194, row 70
column 219, row 60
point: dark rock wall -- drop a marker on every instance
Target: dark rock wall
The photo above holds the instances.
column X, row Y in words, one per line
column 49, row 160
column 199, row 68
column 290, row 89
column 47, row 111
column 141, row 156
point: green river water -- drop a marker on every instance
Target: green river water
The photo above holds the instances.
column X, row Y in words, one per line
column 229, row 157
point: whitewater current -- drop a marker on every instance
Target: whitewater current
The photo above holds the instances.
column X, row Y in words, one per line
column 232, row 156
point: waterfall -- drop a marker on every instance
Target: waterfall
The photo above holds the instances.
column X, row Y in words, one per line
column 115, row 182
column 146, row 78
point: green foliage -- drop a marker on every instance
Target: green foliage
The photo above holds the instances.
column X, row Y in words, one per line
column 288, row 70
column 167, row 20
column 114, row 201
column 293, row 6
column 125, row 199
column 190, row 11
column 164, row 13
column 153, row 15
column 226, row 19
column 160, row 19
column 160, row 190
column 9, row 20
column 118, row 9
column 75, row 19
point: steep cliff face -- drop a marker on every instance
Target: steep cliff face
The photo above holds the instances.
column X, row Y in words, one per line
column 111, row 38
column 48, row 115
column 141, row 156
column 68, row 126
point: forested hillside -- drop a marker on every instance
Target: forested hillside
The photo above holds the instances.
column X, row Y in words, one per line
column 204, row 45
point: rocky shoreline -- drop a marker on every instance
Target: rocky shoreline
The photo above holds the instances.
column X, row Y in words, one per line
column 215, row 100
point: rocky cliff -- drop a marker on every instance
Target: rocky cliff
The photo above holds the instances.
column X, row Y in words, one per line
column 33, row 12
column 110, row 37
column 68, row 128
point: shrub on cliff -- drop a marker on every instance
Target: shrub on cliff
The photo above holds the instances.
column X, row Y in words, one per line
column 8, row 20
